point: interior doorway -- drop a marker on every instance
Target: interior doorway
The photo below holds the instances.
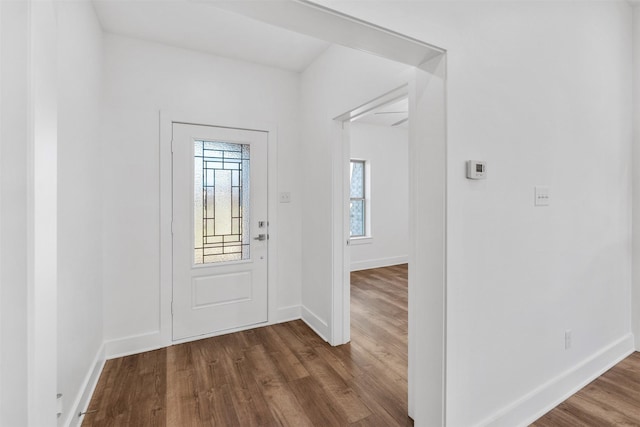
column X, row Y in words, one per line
column 357, row 214
column 375, row 214
column 379, row 187
column 425, row 90
column 376, row 258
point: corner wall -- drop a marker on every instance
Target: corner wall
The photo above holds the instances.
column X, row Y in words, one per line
column 80, row 291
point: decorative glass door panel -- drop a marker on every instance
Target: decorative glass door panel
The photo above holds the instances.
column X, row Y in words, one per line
column 221, row 202
column 220, row 196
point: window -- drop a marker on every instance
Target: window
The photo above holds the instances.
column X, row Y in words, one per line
column 358, row 203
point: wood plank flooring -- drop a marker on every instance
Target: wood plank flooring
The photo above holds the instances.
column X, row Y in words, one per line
column 281, row 375
column 285, row 375
column 613, row 399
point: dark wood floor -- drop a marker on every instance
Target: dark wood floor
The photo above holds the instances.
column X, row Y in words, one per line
column 611, row 400
column 275, row 375
column 286, row 375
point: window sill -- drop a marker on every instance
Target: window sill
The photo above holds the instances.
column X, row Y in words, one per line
column 361, row 240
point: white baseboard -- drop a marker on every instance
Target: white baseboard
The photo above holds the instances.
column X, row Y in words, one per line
column 134, row 344
column 377, row 263
column 82, row 400
column 318, row 325
column 149, row 341
column 287, row 314
column 541, row 400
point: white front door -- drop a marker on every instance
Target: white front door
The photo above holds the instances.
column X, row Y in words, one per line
column 219, row 229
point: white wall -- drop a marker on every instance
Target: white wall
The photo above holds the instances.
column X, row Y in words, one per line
column 338, row 81
column 526, row 94
column 80, row 322
column 13, row 212
column 636, row 177
column 386, row 149
column 141, row 79
column 42, row 214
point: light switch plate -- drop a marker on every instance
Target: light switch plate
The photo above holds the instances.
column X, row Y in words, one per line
column 542, row 195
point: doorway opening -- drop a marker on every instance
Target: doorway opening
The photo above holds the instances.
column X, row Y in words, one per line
column 356, row 203
column 375, row 158
column 376, row 205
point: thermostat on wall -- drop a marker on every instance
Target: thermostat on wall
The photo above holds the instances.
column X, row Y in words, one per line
column 476, row 169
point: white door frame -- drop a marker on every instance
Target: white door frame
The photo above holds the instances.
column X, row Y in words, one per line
column 167, row 118
column 427, row 237
column 341, row 333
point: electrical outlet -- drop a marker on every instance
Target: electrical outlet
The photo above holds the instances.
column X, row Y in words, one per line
column 285, row 197
column 542, row 197
column 59, row 404
column 567, row 339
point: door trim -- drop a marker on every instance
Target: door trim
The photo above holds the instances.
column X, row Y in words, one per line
column 166, row 120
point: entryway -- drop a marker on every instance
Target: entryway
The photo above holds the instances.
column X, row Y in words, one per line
column 282, row 374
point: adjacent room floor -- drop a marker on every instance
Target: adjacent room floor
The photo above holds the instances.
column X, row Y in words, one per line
column 611, row 400
column 276, row 375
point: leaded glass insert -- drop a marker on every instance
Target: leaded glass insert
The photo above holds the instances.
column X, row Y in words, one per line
column 221, row 202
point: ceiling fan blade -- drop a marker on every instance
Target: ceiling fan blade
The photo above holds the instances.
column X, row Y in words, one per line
column 400, row 122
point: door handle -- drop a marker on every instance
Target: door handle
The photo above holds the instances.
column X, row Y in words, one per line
column 261, row 237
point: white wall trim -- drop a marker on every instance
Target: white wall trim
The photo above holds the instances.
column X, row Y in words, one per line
column 2, row 336
column 315, row 20
column 379, row 262
column 149, row 341
column 134, row 344
column 428, row 243
column 541, row 400
column 635, row 198
column 287, row 314
column 357, row 241
column 82, row 400
column 318, row 325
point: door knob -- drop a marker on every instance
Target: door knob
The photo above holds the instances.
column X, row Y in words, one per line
column 261, row 237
